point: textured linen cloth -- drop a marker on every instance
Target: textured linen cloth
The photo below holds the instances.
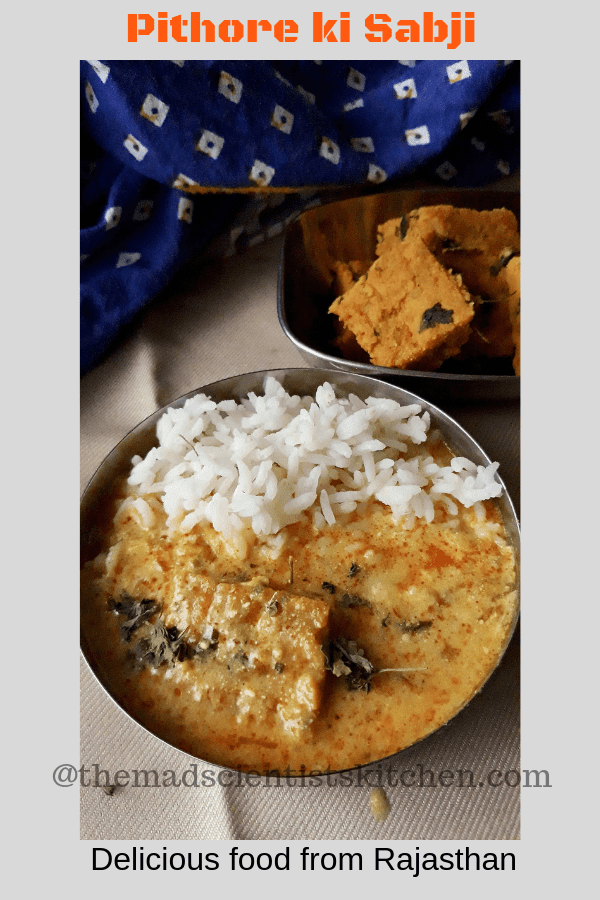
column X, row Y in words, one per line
column 160, row 136
column 215, row 321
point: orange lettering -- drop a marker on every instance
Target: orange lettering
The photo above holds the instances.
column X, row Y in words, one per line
column 238, row 30
column 374, row 26
column 324, row 30
column 209, row 29
column 408, row 31
column 163, row 27
column 470, row 27
column 455, row 31
column 132, row 26
column 286, row 27
column 176, row 24
column 345, row 27
column 429, row 25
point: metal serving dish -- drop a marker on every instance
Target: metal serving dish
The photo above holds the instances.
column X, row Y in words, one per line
column 342, row 230
column 295, row 381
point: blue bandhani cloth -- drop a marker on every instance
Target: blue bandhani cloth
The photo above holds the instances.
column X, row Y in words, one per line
column 184, row 156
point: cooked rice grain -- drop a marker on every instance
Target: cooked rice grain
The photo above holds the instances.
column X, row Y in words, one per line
column 269, row 460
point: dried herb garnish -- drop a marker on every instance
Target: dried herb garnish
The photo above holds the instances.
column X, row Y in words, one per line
column 354, row 570
column 329, row 587
column 352, row 601
column 279, row 667
column 190, row 443
column 273, row 607
column 415, row 627
column 402, row 229
column 108, row 789
column 162, row 646
column 505, row 258
column 435, row 315
column 136, row 613
column 344, row 657
column 157, row 644
column 385, row 622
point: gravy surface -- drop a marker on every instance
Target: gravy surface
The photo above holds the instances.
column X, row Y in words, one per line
column 438, row 598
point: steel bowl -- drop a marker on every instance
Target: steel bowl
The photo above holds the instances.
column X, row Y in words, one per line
column 295, row 381
column 346, row 230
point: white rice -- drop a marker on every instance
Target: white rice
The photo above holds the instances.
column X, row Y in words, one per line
column 269, row 460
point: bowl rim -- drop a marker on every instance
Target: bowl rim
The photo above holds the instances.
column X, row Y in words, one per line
column 113, row 460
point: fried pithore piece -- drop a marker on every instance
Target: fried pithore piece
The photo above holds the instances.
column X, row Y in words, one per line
column 345, row 274
column 513, row 278
column 270, row 645
column 448, row 229
column 347, row 344
column 477, row 245
column 407, row 311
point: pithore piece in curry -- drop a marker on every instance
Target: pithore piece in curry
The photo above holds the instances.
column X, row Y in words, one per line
column 439, row 288
column 298, row 582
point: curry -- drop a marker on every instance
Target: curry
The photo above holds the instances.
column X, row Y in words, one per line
column 316, row 649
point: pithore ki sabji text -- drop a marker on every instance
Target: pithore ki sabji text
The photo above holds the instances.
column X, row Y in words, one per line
column 377, row 28
column 412, row 863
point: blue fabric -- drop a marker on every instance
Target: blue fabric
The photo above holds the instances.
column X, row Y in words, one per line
column 154, row 133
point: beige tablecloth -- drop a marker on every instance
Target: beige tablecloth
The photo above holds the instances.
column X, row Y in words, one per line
column 219, row 320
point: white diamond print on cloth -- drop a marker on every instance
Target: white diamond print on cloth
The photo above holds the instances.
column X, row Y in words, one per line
column 91, row 97
column 135, row 147
column 503, row 167
column 112, row 216
column 261, row 173
column 479, row 145
column 230, row 87
column 354, row 104
column 154, row 110
column 376, row 174
column 282, row 119
column 143, row 211
column 179, row 62
column 281, row 78
column 127, row 259
column 466, row 117
column 310, row 98
column 458, row 71
column 502, row 119
column 446, row 171
column 417, row 136
column 182, row 181
column 362, row 144
column 185, row 210
column 100, row 69
column 210, row 143
column 356, row 80
column 406, row 89
column 407, row 62
column 329, row 150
